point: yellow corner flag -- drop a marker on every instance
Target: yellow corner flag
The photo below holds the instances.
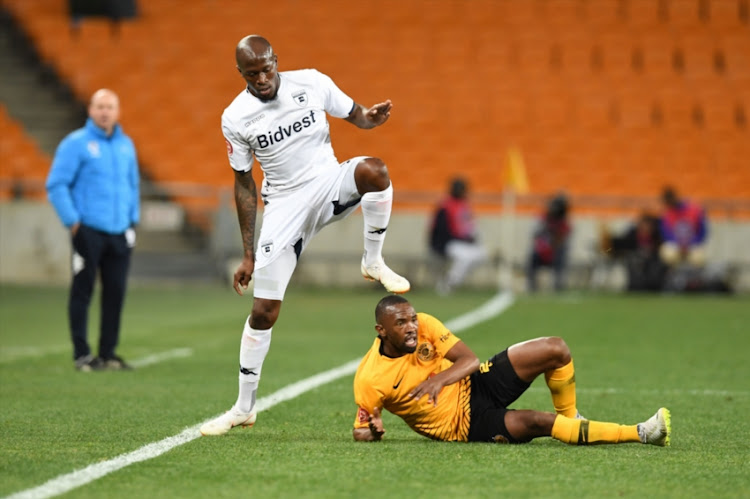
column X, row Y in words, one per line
column 515, row 172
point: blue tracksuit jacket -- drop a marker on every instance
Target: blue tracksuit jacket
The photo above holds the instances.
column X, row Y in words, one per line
column 94, row 180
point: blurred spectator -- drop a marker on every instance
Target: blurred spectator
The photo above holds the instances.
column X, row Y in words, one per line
column 549, row 246
column 684, row 229
column 638, row 248
column 93, row 185
column 453, row 237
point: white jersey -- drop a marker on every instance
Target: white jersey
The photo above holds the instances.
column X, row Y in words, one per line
column 288, row 135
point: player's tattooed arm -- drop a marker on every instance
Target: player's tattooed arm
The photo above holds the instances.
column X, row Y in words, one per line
column 246, row 199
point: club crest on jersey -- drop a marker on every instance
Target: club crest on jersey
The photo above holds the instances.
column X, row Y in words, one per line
column 300, row 98
column 93, row 147
column 426, row 352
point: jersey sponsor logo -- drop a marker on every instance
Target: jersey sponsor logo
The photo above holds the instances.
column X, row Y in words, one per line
column 445, row 337
column 230, row 149
column 426, row 352
column 484, row 367
column 267, row 248
column 300, row 97
column 276, row 136
column 363, row 416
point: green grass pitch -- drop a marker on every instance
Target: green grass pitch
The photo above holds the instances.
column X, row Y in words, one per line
column 633, row 354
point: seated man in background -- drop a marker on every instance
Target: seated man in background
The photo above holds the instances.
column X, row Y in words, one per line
column 453, row 237
column 638, row 247
column 418, row 370
column 549, row 246
column 684, row 229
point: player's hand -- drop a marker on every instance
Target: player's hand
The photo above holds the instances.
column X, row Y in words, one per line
column 379, row 113
column 243, row 274
column 430, row 387
column 376, row 424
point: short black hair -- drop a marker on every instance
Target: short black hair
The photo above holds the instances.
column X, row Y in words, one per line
column 386, row 302
column 458, row 188
column 669, row 195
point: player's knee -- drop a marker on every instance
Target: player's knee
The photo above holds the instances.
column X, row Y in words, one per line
column 371, row 175
column 558, row 350
column 264, row 314
column 539, row 423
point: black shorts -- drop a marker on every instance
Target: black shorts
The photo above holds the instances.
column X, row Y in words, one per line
column 493, row 388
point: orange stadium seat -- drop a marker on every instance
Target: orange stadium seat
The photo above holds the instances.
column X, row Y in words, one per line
column 24, row 166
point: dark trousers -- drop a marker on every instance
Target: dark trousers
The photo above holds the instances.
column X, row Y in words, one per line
column 109, row 255
column 557, row 265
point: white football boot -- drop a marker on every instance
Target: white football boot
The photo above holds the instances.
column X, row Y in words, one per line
column 657, row 430
column 227, row 421
column 390, row 280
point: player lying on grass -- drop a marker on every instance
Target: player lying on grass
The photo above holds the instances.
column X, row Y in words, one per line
column 418, row 370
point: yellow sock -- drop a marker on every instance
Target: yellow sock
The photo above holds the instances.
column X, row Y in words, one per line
column 562, row 386
column 582, row 432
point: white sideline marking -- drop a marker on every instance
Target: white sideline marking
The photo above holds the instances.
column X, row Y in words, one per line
column 75, row 479
column 9, row 354
column 159, row 357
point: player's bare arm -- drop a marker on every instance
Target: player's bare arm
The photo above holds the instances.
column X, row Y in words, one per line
column 246, row 199
column 465, row 362
column 366, row 118
column 374, row 432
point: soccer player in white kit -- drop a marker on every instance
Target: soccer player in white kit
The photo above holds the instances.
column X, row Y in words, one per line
column 280, row 118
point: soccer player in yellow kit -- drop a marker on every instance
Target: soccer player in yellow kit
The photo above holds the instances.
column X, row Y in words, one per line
column 418, row 370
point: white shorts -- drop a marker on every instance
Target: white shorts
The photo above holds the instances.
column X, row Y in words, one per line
column 290, row 220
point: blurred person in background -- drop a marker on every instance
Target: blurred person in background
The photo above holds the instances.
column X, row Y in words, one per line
column 550, row 241
column 93, row 185
column 638, row 248
column 684, row 229
column 454, row 238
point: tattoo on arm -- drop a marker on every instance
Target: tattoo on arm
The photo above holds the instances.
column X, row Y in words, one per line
column 246, row 199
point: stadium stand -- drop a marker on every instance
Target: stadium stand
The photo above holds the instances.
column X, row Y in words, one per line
column 603, row 97
column 22, row 160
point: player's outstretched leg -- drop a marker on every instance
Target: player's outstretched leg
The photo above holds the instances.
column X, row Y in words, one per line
column 371, row 177
column 227, row 421
column 657, row 430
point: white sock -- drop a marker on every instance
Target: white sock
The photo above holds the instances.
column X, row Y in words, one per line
column 253, row 350
column 376, row 211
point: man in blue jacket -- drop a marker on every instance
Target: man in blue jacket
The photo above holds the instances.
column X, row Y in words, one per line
column 93, row 186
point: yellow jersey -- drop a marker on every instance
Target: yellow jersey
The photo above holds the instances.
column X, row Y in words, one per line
column 385, row 382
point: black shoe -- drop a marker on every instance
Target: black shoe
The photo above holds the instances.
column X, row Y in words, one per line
column 116, row 363
column 88, row 363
